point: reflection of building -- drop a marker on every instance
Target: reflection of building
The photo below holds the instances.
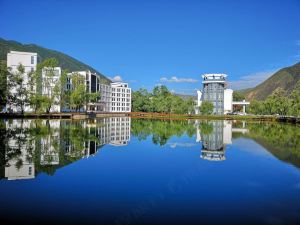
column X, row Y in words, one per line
column 33, row 145
column 20, row 166
column 120, row 130
column 213, row 147
column 215, row 135
column 50, row 143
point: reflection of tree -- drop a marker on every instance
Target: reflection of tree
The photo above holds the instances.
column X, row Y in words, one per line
column 282, row 140
column 206, row 128
column 161, row 130
column 42, row 143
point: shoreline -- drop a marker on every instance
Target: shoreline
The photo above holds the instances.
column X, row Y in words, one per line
column 285, row 119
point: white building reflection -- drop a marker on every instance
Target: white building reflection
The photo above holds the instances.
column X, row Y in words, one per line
column 33, row 144
column 215, row 135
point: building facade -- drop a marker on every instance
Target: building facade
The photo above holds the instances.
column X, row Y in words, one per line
column 213, row 91
column 121, row 97
column 115, row 97
column 29, row 61
column 228, row 93
column 51, row 78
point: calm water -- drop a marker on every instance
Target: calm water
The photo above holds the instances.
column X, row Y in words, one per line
column 138, row 171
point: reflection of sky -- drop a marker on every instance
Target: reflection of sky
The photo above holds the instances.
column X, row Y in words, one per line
column 251, row 147
column 143, row 182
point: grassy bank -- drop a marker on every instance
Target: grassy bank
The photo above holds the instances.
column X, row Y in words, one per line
column 217, row 117
column 286, row 119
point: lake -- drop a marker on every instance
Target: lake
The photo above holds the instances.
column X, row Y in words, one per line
column 122, row 170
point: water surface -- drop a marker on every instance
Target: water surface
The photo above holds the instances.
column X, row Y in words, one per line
column 138, row 171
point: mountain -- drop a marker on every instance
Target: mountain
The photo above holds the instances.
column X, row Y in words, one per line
column 65, row 61
column 285, row 78
column 185, row 97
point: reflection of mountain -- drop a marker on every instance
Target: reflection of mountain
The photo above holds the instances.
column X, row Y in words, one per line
column 33, row 146
column 281, row 140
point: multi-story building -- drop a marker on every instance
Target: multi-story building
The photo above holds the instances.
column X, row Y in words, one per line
column 213, row 91
column 120, row 97
column 228, row 96
column 114, row 97
column 50, row 78
column 29, row 61
column 92, row 83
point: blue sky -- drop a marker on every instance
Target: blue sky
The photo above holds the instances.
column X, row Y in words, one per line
column 147, row 43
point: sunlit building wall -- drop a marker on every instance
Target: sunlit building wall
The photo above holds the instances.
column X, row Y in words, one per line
column 29, row 61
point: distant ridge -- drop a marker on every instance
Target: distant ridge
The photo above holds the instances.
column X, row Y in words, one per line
column 285, row 78
column 65, row 61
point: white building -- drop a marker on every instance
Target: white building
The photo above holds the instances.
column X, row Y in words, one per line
column 21, row 167
column 115, row 97
column 215, row 92
column 228, row 93
column 121, row 97
column 29, row 61
column 50, row 78
column 120, row 130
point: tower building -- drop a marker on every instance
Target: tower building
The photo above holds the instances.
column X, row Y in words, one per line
column 213, row 91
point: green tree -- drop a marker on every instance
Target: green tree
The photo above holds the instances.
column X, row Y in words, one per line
column 141, row 101
column 3, row 84
column 277, row 102
column 18, row 94
column 206, row 108
column 65, row 92
column 78, row 96
column 238, row 96
column 256, row 107
column 190, row 106
column 295, row 100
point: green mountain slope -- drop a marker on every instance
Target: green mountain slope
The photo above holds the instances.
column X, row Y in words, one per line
column 65, row 61
column 285, row 78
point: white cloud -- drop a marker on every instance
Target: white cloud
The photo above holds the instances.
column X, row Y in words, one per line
column 181, row 144
column 251, row 80
column 178, row 80
column 116, row 79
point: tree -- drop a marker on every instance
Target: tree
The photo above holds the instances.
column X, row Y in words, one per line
column 206, row 108
column 190, row 106
column 295, row 100
column 277, row 102
column 18, row 94
column 65, row 92
column 78, row 96
column 3, row 84
column 51, row 94
column 141, row 101
column 256, row 107
column 238, row 96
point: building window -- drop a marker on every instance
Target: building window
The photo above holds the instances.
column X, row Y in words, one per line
column 32, row 59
